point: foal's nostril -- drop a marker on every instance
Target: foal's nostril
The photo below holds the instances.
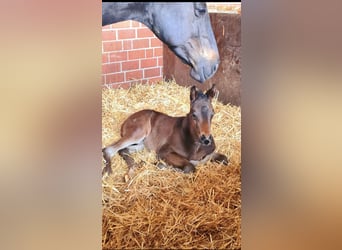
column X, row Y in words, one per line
column 205, row 140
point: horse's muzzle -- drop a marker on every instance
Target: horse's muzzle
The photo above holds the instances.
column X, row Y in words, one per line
column 204, row 71
column 203, row 64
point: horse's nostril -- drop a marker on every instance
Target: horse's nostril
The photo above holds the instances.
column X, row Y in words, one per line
column 215, row 67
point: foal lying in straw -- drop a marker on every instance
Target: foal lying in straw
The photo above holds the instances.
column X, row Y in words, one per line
column 182, row 142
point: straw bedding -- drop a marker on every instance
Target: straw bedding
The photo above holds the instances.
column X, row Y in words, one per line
column 164, row 208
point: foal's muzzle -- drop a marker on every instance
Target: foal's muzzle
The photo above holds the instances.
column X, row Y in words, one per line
column 206, row 140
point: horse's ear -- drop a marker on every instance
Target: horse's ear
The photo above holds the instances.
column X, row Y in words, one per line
column 211, row 93
column 193, row 93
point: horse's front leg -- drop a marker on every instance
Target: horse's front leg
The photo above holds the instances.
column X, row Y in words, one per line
column 219, row 158
column 176, row 160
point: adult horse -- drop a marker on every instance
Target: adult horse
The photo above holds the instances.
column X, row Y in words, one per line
column 185, row 28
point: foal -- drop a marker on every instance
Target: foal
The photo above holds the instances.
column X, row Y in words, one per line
column 182, row 142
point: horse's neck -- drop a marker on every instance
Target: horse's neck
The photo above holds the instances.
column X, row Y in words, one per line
column 123, row 11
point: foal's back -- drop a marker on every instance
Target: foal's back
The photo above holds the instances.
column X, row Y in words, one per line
column 157, row 127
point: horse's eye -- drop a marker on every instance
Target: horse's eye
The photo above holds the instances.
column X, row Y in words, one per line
column 200, row 12
column 194, row 117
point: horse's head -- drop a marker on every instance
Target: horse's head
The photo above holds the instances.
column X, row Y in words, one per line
column 201, row 114
column 186, row 29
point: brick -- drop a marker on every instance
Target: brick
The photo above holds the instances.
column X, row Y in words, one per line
column 144, row 32
column 151, row 72
column 111, row 68
column 134, row 75
column 123, row 85
column 155, row 42
column 127, row 44
column 105, row 58
column 136, row 54
column 107, row 27
column 108, row 35
column 141, row 81
column 151, row 81
column 149, row 53
column 118, row 56
column 112, row 46
column 114, row 78
column 135, row 24
column 160, row 61
column 126, row 34
column 149, row 63
column 130, row 65
column 136, row 81
column 103, row 79
column 158, row 52
column 154, row 80
column 141, row 43
column 123, row 24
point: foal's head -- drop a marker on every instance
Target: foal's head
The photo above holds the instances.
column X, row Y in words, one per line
column 201, row 114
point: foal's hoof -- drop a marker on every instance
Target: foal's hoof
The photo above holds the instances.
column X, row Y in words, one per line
column 189, row 169
column 107, row 171
column 161, row 165
column 126, row 178
column 222, row 159
column 129, row 175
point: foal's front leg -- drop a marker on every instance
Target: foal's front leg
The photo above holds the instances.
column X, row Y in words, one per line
column 176, row 160
column 220, row 158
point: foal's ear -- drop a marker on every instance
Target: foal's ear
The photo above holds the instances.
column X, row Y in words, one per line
column 193, row 93
column 211, row 92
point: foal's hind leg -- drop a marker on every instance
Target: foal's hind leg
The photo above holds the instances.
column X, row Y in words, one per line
column 111, row 150
column 133, row 131
column 124, row 153
column 132, row 165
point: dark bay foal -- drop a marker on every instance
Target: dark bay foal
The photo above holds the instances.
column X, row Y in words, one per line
column 182, row 142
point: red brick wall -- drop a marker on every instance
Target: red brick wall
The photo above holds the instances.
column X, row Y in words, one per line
column 219, row 7
column 130, row 53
